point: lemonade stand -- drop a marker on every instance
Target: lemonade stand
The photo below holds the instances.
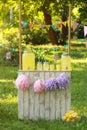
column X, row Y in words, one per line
column 43, row 91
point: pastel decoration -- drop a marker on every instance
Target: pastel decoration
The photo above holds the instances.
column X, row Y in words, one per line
column 8, row 55
column 59, row 25
column 64, row 23
column 31, row 25
column 42, row 26
column 85, row 31
column 60, row 82
column 53, row 26
column 75, row 25
column 22, row 82
column 24, row 24
column 39, row 86
column 65, row 46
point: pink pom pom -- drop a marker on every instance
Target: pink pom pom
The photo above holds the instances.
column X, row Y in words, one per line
column 22, row 82
column 39, row 86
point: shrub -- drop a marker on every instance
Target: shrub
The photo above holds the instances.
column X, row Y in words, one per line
column 10, row 40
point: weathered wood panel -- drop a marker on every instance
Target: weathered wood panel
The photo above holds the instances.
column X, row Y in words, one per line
column 42, row 100
column 47, row 105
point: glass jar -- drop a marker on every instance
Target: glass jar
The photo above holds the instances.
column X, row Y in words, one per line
column 45, row 66
column 39, row 66
column 65, row 62
column 28, row 60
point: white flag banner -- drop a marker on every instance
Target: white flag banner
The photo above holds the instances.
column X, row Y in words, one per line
column 75, row 25
column 85, row 31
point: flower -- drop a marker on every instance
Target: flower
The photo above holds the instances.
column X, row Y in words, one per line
column 70, row 116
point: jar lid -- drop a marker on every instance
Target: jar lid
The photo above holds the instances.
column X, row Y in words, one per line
column 65, row 54
column 27, row 51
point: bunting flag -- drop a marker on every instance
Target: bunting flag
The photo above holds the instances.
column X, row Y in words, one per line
column 11, row 49
column 8, row 55
column 85, row 31
column 64, row 23
column 6, row 48
column 54, row 26
column 31, row 25
column 75, row 25
column 24, row 24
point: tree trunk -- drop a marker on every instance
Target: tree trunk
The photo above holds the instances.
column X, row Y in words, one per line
column 64, row 28
column 51, row 32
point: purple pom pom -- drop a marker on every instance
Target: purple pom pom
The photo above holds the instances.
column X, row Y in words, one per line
column 60, row 82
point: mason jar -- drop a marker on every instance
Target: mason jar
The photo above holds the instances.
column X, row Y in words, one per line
column 28, row 60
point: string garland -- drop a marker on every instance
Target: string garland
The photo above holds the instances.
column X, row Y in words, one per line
column 61, row 82
column 54, row 26
column 35, row 50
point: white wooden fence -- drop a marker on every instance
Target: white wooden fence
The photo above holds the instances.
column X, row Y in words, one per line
column 47, row 105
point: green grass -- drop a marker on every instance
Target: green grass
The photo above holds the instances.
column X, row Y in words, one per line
column 9, row 102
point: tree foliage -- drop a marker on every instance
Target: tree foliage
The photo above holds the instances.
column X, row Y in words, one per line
column 56, row 10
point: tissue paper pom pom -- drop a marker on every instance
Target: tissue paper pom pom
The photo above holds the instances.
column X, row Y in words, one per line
column 22, row 82
column 62, row 81
column 50, row 84
column 39, row 86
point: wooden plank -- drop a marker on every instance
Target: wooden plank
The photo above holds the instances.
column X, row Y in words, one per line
column 52, row 105
column 68, row 94
column 47, row 105
column 20, row 37
column 31, row 98
column 20, row 104
column 36, row 101
column 26, row 104
column 57, row 73
column 36, row 106
column 52, row 100
column 62, row 102
column 47, row 98
column 68, row 99
column 26, row 100
column 57, row 98
column 57, row 104
column 42, row 100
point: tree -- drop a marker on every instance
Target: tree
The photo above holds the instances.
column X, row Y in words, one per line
column 49, row 8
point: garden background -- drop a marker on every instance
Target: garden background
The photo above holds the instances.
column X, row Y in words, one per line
column 38, row 13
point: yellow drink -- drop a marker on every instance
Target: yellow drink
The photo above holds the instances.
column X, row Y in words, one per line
column 28, row 60
column 51, row 67
column 45, row 66
column 39, row 66
column 65, row 62
column 58, row 67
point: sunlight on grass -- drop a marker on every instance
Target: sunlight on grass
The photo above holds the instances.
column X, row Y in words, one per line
column 75, row 61
column 5, row 80
column 78, row 65
column 9, row 99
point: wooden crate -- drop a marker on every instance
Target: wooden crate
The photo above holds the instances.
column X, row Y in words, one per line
column 47, row 105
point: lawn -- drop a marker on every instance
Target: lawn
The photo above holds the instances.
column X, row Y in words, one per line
column 9, row 102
